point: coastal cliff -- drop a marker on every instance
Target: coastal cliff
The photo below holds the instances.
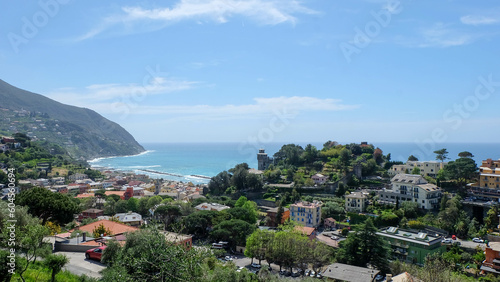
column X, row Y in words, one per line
column 84, row 133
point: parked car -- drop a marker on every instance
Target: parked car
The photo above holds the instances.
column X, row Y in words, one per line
column 255, row 265
column 95, row 253
column 318, row 275
column 446, row 241
column 312, row 274
column 307, row 272
column 295, row 274
column 379, row 277
column 228, row 258
column 453, row 237
column 240, row 268
column 477, row 240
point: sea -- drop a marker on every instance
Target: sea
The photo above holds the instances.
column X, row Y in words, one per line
column 197, row 162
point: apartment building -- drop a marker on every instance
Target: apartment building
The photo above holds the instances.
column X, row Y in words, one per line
column 356, row 202
column 410, row 187
column 409, row 246
column 306, row 213
column 429, row 168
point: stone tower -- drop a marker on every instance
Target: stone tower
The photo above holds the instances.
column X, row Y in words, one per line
column 263, row 160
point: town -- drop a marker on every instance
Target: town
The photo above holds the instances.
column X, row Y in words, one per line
column 339, row 213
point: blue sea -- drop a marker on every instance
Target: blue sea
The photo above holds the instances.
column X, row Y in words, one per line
column 186, row 161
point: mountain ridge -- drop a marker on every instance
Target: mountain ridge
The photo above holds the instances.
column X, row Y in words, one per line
column 82, row 131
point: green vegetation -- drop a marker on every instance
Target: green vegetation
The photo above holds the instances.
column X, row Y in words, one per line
column 83, row 132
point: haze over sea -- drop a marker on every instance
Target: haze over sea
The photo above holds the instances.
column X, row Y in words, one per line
column 189, row 160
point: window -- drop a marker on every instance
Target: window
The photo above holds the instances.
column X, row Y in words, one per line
column 423, row 201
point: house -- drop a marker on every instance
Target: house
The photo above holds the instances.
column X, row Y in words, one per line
column 356, row 202
column 409, row 246
column 427, row 168
column 492, row 262
column 91, row 213
column 263, row 160
column 319, row 178
column 115, row 228
column 179, row 239
column 310, row 232
column 306, row 213
column 345, row 272
column 272, row 214
column 330, row 223
column 77, row 176
column 410, row 187
column 211, row 207
column 131, row 218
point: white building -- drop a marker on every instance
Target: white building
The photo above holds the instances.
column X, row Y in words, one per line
column 429, row 168
column 319, row 178
column 211, row 207
column 356, row 202
column 410, row 187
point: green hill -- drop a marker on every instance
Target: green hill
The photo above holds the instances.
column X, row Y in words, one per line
column 84, row 133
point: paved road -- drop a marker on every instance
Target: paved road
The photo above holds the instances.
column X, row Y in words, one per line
column 79, row 265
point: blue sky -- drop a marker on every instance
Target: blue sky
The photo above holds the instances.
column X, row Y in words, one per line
column 265, row 71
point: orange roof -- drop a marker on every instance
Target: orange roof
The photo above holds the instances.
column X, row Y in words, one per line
column 114, row 227
column 119, row 193
column 85, row 195
column 305, row 230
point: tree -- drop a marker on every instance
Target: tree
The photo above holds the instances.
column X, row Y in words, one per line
column 100, row 231
column 365, row 247
column 310, row 154
column 47, row 205
column 199, row 222
column 240, row 202
column 219, row 183
column 121, row 206
column 31, row 245
column 465, row 154
column 441, row 154
column 410, row 209
column 415, row 171
column 111, row 253
column 461, row 170
column 234, row 231
column 412, row 158
column 167, row 214
column 257, row 244
column 279, row 213
column 289, row 154
column 133, row 204
column 491, row 219
column 55, row 263
column 147, row 256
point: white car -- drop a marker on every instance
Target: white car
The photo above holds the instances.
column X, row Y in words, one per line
column 477, row 240
column 255, row 265
column 446, row 241
column 228, row 258
column 240, row 269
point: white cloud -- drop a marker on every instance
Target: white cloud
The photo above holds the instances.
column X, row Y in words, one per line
column 478, row 20
column 98, row 93
column 132, row 18
column 261, row 107
column 442, row 35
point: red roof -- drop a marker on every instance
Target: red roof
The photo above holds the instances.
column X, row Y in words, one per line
column 305, row 230
column 114, row 227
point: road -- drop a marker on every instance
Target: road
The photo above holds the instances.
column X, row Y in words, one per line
column 80, row 266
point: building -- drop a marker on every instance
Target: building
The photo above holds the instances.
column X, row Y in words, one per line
column 131, row 218
column 77, row 176
column 179, row 239
column 492, row 262
column 489, row 173
column 410, row 187
column 91, row 213
column 486, row 191
column 429, row 168
column 272, row 214
column 345, row 272
column 263, row 160
column 310, row 232
column 330, row 223
column 356, row 202
column 211, row 207
column 319, row 178
column 115, row 228
column 409, row 246
column 306, row 213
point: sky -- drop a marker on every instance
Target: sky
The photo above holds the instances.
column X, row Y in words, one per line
column 265, row 70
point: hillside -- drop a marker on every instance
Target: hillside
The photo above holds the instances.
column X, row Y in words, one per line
column 84, row 133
